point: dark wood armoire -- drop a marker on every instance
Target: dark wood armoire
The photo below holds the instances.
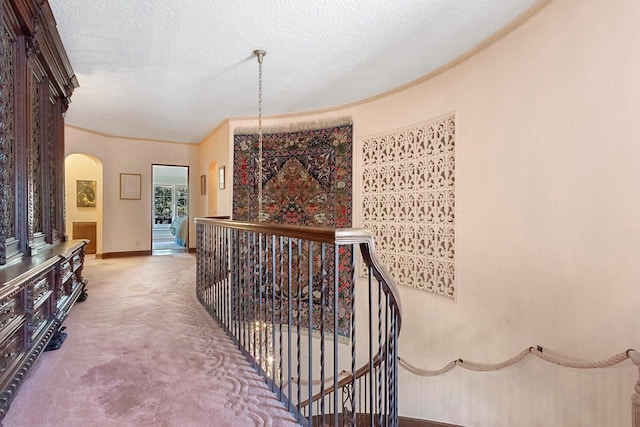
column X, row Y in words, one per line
column 40, row 271
column 36, row 84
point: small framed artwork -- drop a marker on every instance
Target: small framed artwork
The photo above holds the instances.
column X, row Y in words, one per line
column 85, row 193
column 130, row 186
column 203, row 185
column 221, row 177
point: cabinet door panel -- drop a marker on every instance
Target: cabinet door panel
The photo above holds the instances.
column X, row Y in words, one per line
column 86, row 230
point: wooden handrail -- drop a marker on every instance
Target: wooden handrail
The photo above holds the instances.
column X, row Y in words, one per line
column 318, row 234
column 340, row 236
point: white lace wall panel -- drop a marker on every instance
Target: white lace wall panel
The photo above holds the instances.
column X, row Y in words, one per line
column 409, row 203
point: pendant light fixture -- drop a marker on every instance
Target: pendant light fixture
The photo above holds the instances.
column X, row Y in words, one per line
column 260, row 55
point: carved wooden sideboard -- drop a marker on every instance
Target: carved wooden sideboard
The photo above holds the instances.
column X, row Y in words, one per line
column 35, row 298
column 40, row 272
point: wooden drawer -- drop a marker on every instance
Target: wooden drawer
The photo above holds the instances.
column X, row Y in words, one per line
column 39, row 320
column 41, row 291
column 10, row 352
column 12, row 314
column 61, row 303
column 66, row 279
column 66, row 270
column 11, row 309
column 77, row 262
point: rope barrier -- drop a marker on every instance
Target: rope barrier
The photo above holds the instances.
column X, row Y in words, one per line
column 611, row 361
column 423, row 372
column 537, row 351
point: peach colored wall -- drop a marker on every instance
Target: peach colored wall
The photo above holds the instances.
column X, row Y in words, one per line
column 547, row 229
column 218, row 147
column 547, row 236
column 127, row 223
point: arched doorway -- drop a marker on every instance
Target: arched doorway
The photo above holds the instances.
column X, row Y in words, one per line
column 84, row 199
column 212, row 189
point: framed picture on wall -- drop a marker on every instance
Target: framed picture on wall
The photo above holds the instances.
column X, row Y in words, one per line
column 203, row 185
column 221, row 177
column 130, row 186
column 85, row 193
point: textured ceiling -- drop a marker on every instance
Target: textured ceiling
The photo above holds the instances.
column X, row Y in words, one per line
column 173, row 69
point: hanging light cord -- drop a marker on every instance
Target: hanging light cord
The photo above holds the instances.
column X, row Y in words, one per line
column 260, row 54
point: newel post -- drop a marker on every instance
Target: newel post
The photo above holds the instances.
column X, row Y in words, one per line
column 635, row 399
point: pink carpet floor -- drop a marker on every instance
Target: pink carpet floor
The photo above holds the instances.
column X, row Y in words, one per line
column 141, row 351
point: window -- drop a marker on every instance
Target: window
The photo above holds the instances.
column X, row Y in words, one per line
column 170, row 202
column 163, row 204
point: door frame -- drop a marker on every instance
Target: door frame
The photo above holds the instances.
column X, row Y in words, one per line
column 188, row 200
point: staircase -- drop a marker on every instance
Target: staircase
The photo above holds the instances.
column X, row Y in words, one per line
column 323, row 335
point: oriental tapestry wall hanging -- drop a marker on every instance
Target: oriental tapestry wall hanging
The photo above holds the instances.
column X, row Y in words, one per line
column 409, row 203
column 307, row 180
